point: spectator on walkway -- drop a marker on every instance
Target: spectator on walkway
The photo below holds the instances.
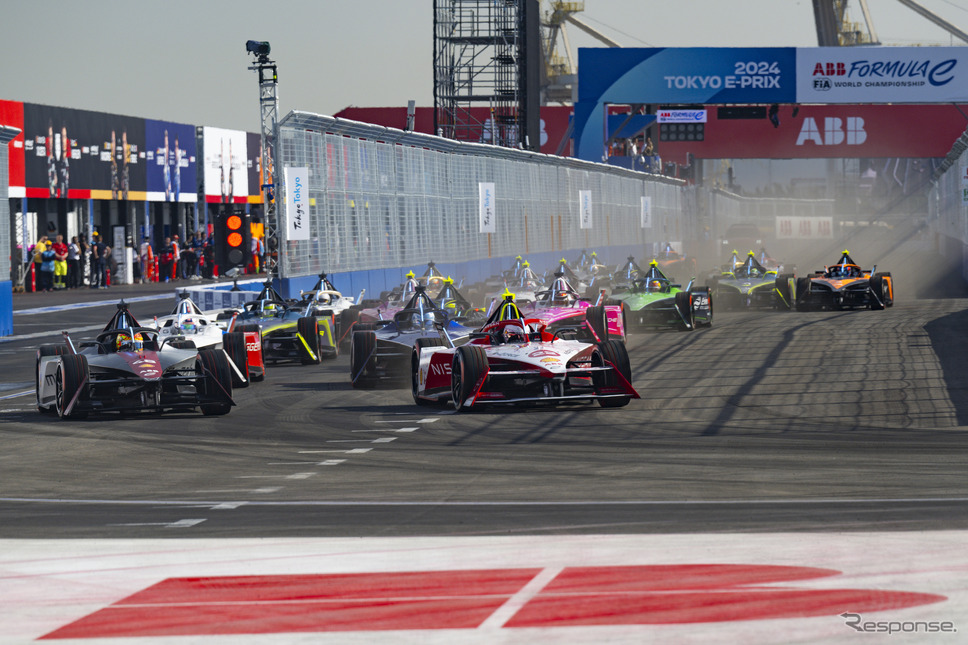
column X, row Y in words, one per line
column 73, row 264
column 47, row 254
column 166, row 260
column 146, row 259
column 100, row 252
column 60, row 263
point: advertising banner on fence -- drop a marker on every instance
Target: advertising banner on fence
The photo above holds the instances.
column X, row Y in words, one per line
column 647, row 212
column 170, row 161
column 79, row 154
column 882, row 74
column 681, row 116
column 804, row 228
column 226, row 173
column 585, row 208
column 297, row 203
column 12, row 114
column 486, row 207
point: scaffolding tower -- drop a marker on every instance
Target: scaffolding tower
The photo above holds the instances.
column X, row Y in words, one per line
column 481, row 59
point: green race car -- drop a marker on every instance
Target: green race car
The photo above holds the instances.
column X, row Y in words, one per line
column 653, row 301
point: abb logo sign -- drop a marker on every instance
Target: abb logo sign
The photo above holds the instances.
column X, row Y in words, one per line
column 834, row 131
column 830, row 69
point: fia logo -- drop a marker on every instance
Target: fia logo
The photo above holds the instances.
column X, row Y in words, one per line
column 821, row 84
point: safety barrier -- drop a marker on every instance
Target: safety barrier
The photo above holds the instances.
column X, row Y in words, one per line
column 948, row 203
column 384, row 199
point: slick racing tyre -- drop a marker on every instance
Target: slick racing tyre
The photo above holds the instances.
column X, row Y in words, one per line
column 687, row 319
column 470, row 363
column 614, row 352
column 46, row 350
column 363, row 358
column 802, row 295
column 234, row 345
column 598, row 323
column 214, row 384
column 348, row 319
column 882, row 286
column 308, row 330
column 72, row 381
column 785, row 292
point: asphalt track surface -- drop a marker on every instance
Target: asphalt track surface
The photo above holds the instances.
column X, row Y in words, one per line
column 826, row 428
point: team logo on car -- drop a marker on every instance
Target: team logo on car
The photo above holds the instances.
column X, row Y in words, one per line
column 543, row 352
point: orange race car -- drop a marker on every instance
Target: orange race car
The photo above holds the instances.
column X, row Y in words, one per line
column 845, row 286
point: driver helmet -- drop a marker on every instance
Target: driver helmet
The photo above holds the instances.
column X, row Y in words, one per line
column 323, row 298
column 561, row 297
column 123, row 343
column 514, row 334
column 270, row 308
column 655, row 285
column 188, row 326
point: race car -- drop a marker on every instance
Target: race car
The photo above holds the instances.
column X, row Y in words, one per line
column 324, row 300
column 562, row 306
column 653, row 301
column 845, row 286
column 285, row 331
column 516, row 360
column 381, row 351
column 130, row 368
column 750, row 284
column 390, row 302
column 457, row 306
column 188, row 326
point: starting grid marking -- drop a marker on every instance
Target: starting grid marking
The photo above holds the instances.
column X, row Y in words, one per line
column 661, row 588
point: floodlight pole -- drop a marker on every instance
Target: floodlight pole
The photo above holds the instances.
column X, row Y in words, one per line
column 269, row 109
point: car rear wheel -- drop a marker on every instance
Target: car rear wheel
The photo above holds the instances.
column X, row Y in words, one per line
column 803, row 289
column 617, row 354
column 72, row 378
column 308, row 329
column 234, row 345
column 214, row 385
column 363, row 358
column 470, row 363
column 598, row 321
column 687, row 319
column 348, row 320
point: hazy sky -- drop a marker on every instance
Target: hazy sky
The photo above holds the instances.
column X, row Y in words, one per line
column 185, row 60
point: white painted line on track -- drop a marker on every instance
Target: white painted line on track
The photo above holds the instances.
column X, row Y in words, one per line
column 44, row 334
column 396, row 430
column 384, row 440
column 228, row 506
column 592, row 502
column 427, row 420
column 17, row 395
column 88, row 305
column 180, row 524
column 300, row 475
column 514, row 604
column 331, row 462
column 351, row 451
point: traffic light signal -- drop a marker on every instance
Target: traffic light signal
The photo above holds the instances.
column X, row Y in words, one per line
column 232, row 240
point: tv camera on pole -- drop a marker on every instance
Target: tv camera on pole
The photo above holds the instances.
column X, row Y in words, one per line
column 269, row 108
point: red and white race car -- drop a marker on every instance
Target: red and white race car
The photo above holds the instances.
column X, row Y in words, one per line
column 516, row 360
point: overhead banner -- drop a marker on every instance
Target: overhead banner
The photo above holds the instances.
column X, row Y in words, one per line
column 297, row 203
column 681, row 116
column 647, row 212
column 486, row 207
column 585, row 208
column 882, row 74
column 785, row 76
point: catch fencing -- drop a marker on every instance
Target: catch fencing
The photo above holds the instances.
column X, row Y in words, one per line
column 948, row 202
column 384, row 198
